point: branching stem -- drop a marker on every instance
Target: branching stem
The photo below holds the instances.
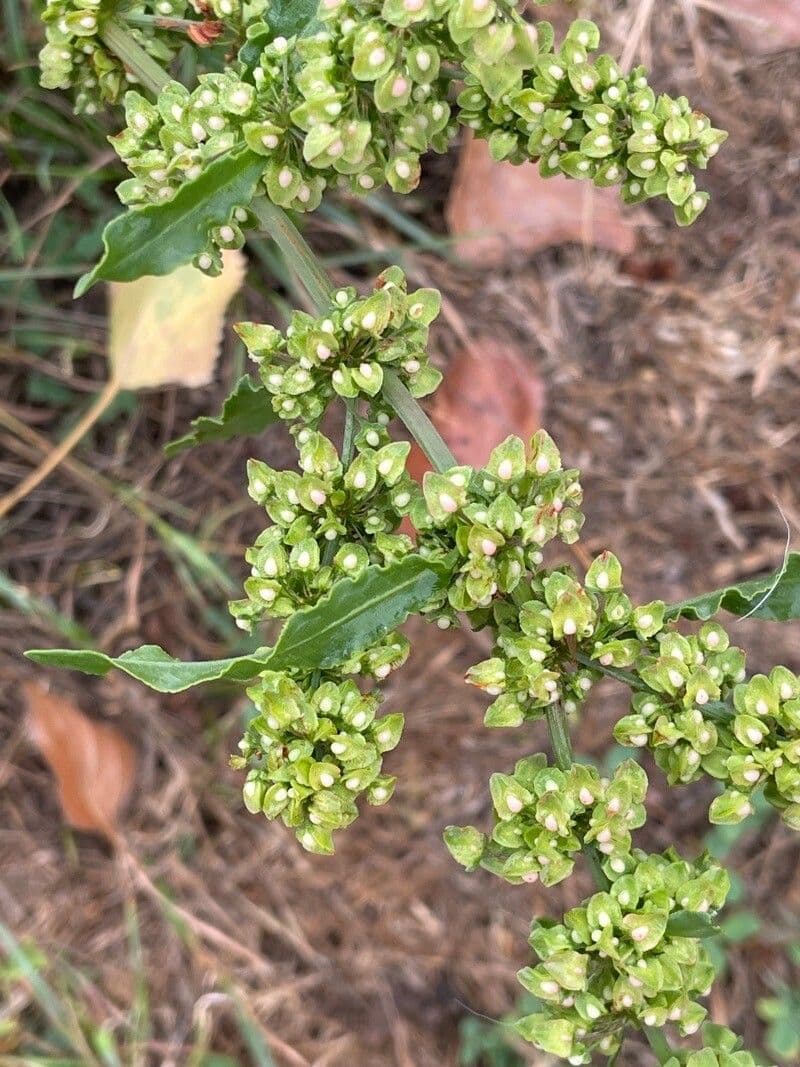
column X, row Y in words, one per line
column 134, row 58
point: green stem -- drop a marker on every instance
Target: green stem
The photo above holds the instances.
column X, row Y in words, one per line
column 417, row 422
column 714, row 709
column 560, row 739
column 658, row 1043
column 299, row 256
column 348, row 447
column 631, row 680
column 559, row 735
column 133, row 56
column 159, row 22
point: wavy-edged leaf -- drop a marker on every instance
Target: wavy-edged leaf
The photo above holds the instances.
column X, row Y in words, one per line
column 750, row 598
column 161, row 237
column 168, row 331
column 691, row 924
column 245, row 413
column 355, row 613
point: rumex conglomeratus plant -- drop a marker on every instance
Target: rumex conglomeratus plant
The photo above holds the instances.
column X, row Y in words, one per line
column 352, row 95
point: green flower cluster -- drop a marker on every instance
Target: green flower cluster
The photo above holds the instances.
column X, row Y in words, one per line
column 318, row 109
column 497, row 519
column 315, row 744
column 620, row 958
column 581, row 117
column 543, row 816
column 316, row 749
column 551, row 620
column 356, row 105
column 722, row 1048
column 170, row 142
column 699, row 714
column 328, row 523
column 344, row 351
column 76, row 57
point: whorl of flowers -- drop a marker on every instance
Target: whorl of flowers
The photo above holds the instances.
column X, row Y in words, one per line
column 544, row 816
column 76, row 57
column 701, row 714
column 620, row 958
column 328, row 522
column 552, row 620
column 344, row 350
column 357, row 101
column 580, row 116
column 317, row 748
column 497, row 520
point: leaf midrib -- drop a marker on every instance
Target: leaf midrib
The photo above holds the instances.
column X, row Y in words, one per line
column 355, row 611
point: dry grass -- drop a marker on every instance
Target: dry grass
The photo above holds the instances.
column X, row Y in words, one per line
column 672, row 381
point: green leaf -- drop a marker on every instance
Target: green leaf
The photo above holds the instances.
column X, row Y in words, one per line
column 153, row 666
column 355, row 613
column 246, row 412
column 284, row 18
column 691, row 924
column 782, row 604
column 289, row 18
column 161, row 237
column 358, row 612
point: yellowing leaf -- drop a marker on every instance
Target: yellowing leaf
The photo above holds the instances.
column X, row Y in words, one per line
column 499, row 211
column 167, row 331
column 93, row 763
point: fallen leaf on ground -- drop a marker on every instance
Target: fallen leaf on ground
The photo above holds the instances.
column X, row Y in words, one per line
column 490, row 391
column 499, row 211
column 167, row 331
column 93, row 763
column 767, row 25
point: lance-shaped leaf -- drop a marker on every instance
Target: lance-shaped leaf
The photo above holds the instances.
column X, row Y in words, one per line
column 776, row 597
column 357, row 612
column 354, row 614
column 161, row 237
column 153, row 666
column 246, row 412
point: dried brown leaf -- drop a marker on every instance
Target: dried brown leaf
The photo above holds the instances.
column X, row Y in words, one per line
column 766, row 25
column 499, row 211
column 490, row 391
column 93, row 763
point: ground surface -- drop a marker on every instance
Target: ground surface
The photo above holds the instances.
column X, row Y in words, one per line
column 671, row 379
